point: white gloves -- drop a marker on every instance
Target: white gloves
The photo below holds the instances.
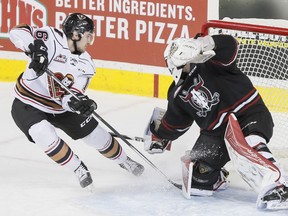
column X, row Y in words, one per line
column 182, row 51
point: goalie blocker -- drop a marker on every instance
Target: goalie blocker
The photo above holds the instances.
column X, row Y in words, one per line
column 152, row 143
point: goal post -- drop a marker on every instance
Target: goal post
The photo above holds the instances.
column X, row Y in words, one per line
column 263, row 56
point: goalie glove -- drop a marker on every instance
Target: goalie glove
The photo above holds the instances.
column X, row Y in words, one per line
column 152, row 143
column 182, row 51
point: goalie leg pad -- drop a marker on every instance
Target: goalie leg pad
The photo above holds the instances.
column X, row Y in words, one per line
column 187, row 171
column 255, row 169
column 199, row 179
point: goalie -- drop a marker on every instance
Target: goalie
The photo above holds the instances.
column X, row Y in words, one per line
column 207, row 88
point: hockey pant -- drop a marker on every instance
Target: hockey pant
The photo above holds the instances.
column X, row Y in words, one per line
column 45, row 136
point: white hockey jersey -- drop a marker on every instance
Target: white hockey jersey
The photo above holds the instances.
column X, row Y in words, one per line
column 75, row 71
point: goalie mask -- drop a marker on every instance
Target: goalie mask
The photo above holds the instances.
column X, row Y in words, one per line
column 79, row 23
column 169, row 51
column 182, row 51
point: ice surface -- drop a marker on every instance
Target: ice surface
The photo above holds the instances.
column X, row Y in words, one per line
column 31, row 184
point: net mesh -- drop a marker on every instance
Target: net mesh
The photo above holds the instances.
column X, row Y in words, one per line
column 264, row 58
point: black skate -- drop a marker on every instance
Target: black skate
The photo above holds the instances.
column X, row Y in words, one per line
column 275, row 198
column 83, row 175
column 132, row 167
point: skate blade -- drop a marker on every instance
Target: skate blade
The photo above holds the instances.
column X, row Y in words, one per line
column 276, row 205
column 90, row 188
column 273, row 205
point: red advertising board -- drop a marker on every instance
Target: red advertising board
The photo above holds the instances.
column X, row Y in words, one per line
column 130, row 31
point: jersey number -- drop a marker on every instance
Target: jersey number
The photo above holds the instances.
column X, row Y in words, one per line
column 43, row 35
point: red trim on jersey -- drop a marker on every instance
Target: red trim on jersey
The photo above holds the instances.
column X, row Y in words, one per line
column 232, row 108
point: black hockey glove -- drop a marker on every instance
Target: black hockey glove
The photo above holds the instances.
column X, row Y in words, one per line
column 84, row 106
column 39, row 57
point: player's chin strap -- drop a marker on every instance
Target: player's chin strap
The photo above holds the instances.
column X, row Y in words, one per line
column 116, row 133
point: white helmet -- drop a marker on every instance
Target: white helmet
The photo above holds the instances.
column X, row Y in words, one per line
column 168, row 53
column 182, row 51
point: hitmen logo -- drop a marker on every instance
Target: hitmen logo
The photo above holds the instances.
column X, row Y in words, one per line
column 55, row 90
column 200, row 98
column 16, row 12
column 60, row 58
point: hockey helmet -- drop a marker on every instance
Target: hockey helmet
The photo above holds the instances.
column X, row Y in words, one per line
column 77, row 22
column 169, row 51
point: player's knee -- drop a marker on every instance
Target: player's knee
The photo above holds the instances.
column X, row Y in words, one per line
column 98, row 138
column 204, row 176
column 43, row 134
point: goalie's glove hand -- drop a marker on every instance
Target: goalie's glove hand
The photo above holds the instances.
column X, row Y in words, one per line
column 39, row 56
column 84, row 106
column 153, row 144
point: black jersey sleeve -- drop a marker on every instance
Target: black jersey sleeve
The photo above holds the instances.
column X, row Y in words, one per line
column 173, row 124
column 226, row 49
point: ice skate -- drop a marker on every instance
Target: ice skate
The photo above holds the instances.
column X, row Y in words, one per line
column 132, row 167
column 83, row 175
column 275, row 198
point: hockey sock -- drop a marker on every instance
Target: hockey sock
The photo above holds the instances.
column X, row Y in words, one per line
column 62, row 154
column 259, row 144
column 113, row 150
column 109, row 147
column 265, row 152
column 45, row 136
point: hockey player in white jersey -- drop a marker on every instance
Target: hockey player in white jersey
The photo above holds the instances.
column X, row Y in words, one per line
column 41, row 105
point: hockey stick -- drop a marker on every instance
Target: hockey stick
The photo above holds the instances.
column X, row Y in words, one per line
column 51, row 74
column 139, row 139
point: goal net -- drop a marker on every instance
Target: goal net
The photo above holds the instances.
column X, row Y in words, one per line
column 263, row 56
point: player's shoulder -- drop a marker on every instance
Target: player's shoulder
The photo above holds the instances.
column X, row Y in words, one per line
column 52, row 36
column 54, row 33
column 88, row 63
column 87, row 57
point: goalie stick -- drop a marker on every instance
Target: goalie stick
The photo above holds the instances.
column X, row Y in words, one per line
column 51, row 74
